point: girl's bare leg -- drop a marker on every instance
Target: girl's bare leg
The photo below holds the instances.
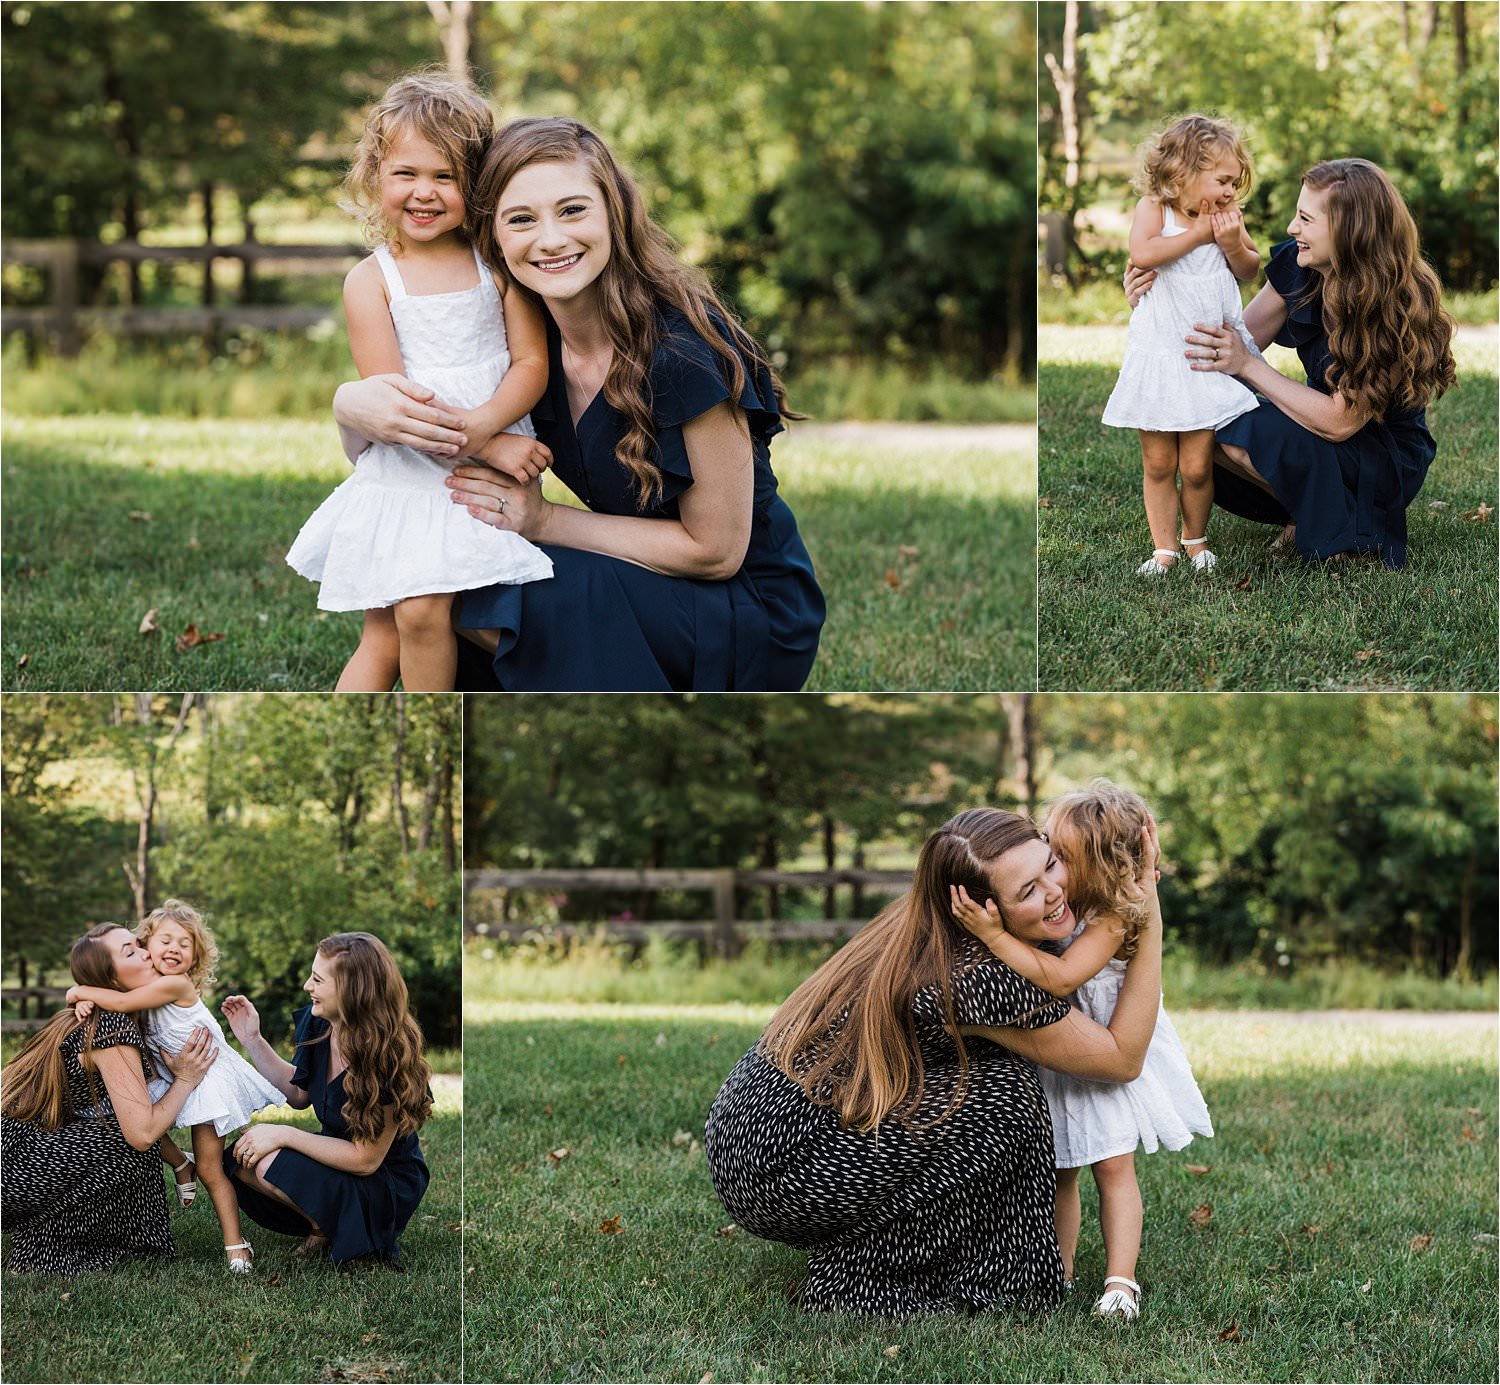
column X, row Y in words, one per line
column 176, row 1160
column 208, row 1150
column 1069, row 1218
column 1195, row 460
column 1159, row 489
column 429, row 646
column 1120, row 1213
column 375, row 663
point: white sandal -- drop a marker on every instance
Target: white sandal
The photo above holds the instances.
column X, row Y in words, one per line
column 187, row 1193
column 1116, row 1303
column 1152, row 568
column 241, row 1266
column 1203, row 560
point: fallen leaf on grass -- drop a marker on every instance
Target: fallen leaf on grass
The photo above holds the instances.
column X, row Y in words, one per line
column 1197, row 1169
column 728, row 1232
column 141, row 516
column 1422, row 1242
column 1243, row 585
column 1365, row 1287
column 192, row 637
column 1437, row 504
column 1481, row 513
column 148, row 622
column 370, row 1372
column 369, row 1337
column 892, row 1351
column 22, row 662
column 680, row 1138
column 1473, row 1111
column 67, row 1296
column 1230, row 1333
column 891, row 580
column 1044, row 503
column 621, row 1060
column 610, row 1226
column 556, row 1156
column 907, row 551
column 274, row 1280
column 1360, row 655
column 706, row 1378
column 1201, row 1216
column 1468, row 1136
column 1310, row 1231
column 1485, row 1238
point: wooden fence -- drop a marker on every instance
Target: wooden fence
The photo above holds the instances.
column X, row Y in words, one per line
column 49, row 999
column 489, row 903
column 66, row 319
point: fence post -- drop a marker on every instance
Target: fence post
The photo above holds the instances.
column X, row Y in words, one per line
column 724, row 939
column 65, row 297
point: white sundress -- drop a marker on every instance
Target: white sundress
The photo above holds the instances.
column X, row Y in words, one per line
column 1099, row 1120
column 1157, row 389
column 231, row 1091
column 390, row 530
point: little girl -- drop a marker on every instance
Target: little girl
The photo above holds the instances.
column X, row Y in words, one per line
column 1189, row 229
column 1097, row 833
column 182, row 949
column 389, row 541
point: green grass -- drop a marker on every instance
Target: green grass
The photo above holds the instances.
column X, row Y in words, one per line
column 1261, row 621
column 189, row 1319
column 1339, row 1141
column 924, row 549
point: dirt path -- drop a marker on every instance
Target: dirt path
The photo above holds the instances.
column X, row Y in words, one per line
column 1002, row 437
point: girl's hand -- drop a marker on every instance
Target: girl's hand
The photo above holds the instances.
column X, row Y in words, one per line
column 393, row 409
column 243, row 1017
column 984, row 923
column 522, row 459
column 192, row 1060
column 1220, row 349
column 1203, row 223
column 499, row 501
column 1137, row 282
column 1228, row 228
column 82, row 1010
column 257, row 1142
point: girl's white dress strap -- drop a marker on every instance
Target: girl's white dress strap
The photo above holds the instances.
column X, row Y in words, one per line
column 387, row 263
column 1169, row 226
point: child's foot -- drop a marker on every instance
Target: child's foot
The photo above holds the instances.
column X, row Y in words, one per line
column 1198, row 554
column 241, row 1256
column 312, row 1246
column 1161, row 562
column 185, row 1176
column 1123, row 1303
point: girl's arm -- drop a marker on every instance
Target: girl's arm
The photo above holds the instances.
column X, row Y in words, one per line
column 141, row 1122
column 526, row 380
column 1060, row 976
column 707, row 541
column 372, row 336
column 351, row 1156
column 244, row 1020
column 1149, row 249
column 165, row 990
column 1232, row 238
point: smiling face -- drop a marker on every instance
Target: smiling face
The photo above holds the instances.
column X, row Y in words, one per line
column 1031, row 884
column 170, row 948
column 1213, row 183
column 1311, row 230
column 322, row 986
column 419, row 193
column 552, row 227
column 129, row 960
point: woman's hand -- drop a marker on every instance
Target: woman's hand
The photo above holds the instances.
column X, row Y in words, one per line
column 522, row 459
column 499, row 501
column 1146, row 881
column 983, row 922
column 393, row 409
column 257, row 1142
column 1228, row 228
column 243, row 1017
column 192, row 1060
column 1220, row 349
column 1137, row 282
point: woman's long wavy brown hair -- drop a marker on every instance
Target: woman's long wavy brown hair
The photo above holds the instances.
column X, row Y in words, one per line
column 34, row 1087
column 1390, row 339
column 847, row 1035
column 1097, row 832
column 644, row 276
column 382, row 1043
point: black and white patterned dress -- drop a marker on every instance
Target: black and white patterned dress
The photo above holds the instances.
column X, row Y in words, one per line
column 79, row 1197
column 955, row 1217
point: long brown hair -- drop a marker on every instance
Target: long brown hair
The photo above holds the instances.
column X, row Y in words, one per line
column 644, row 276
column 1097, row 832
column 847, row 1035
column 1388, row 334
column 381, row 1041
column 34, row 1088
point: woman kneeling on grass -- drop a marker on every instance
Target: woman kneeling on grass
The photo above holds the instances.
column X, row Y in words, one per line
column 887, row 1121
column 351, row 1188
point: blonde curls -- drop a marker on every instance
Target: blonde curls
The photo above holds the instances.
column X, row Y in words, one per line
column 204, row 971
column 1172, row 156
column 381, row 1042
column 1389, row 336
column 1097, row 833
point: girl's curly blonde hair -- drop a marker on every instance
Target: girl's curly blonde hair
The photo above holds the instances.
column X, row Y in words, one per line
column 450, row 115
column 204, row 971
column 1097, row 832
column 1170, row 157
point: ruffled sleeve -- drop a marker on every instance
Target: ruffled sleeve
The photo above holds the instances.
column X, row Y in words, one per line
column 990, row 993
column 1298, row 286
column 687, row 380
column 307, row 1027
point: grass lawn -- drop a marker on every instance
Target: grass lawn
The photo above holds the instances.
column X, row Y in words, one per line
column 1343, row 1145
column 190, row 1319
column 1260, row 621
column 925, row 552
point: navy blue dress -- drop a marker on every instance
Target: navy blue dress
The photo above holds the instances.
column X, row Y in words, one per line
column 361, row 1214
column 1344, row 497
column 601, row 624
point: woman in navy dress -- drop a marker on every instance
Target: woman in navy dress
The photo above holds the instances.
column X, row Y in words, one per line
column 686, row 572
column 351, row 1188
column 1340, row 458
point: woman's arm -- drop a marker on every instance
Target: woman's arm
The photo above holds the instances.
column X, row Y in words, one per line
column 1265, row 316
column 1149, row 249
column 1059, row 976
column 351, row 1156
column 526, row 380
column 244, row 1020
column 165, row 990
column 708, row 540
column 119, row 1067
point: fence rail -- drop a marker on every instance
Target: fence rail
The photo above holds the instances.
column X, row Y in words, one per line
column 724, row 931
column 19, row 995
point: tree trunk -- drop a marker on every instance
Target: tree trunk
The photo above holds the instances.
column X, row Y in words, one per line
column 247, row 267
column 1430, row 21
column 456, row 24
column 830, row 862
column 206, row 191
column 21, row 972
column 147, row 792
column 1464, row 960
column 398, row 777
column 1021, row 717
column 857, row 897
column 1070, row 116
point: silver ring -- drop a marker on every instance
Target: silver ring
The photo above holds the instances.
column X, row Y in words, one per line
column 1216, row 353
column 502, row 502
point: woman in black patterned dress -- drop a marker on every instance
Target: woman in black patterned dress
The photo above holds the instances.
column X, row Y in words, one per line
column 888, row 1121
column 83, row 1184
